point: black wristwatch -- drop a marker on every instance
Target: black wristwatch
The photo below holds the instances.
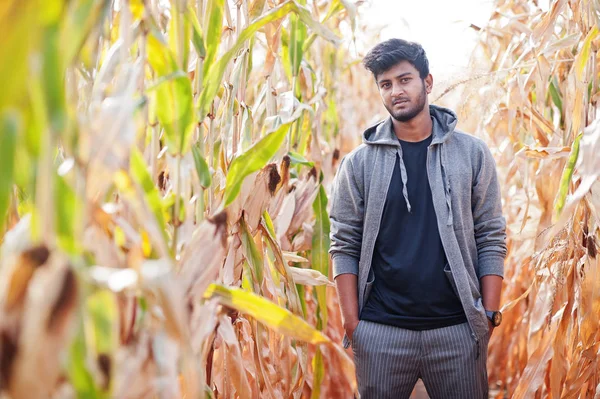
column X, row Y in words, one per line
column 494, row 316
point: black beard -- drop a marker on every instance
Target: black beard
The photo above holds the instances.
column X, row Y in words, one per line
column 405, row 117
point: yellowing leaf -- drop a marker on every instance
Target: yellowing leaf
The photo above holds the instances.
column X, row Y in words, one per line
column 279, row 319
column 137, row 8
column 584, row 54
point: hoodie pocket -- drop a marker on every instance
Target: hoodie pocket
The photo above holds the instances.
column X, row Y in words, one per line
column 450, row 277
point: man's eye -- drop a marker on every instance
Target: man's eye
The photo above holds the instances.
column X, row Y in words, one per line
column 405, row 80
column 385, row 85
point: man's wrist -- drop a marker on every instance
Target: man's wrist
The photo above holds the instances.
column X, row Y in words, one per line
column 494, row 317
column 349, row 323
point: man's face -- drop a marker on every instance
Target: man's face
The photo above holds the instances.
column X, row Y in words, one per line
column 403, row 92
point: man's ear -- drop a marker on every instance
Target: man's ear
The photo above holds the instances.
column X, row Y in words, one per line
column 428, row 83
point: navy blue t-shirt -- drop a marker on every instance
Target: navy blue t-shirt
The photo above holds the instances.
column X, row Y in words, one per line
column 411, row 289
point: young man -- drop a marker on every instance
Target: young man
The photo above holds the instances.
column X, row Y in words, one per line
column 417, row 241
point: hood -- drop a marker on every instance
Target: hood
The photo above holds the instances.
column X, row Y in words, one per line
column 444, row 122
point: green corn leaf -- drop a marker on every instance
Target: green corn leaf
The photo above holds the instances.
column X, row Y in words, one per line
column 175, row 112
column 253, row 256
column 201, row 167
column 213, row 24
column 567, row 174
column 298, row 159
column 197, row 36
column 68, row 212
column 266, row 312
column 79, row 375
column 180, row 34
column 153, row 86
column 555, row 95
column 320, row 251
column 252, row 160
column 318, row 366
column 103, row 312
column 269, row 223
column 83, row 17
column 168, row 207
column 173, row 100
column 285, row 53
column 320, row 240
column 297, row 39
column 53, row 79
column 139, row 171
column 36, row 120
column 9, row 130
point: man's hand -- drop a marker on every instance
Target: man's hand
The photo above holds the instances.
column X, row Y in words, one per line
column 350, row 327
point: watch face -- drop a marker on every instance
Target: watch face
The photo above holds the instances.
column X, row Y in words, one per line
column 497, row 318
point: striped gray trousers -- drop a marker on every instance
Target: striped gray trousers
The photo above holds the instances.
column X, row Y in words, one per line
column 389, row 361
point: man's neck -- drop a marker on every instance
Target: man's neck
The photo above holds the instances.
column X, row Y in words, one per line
column 415, row 130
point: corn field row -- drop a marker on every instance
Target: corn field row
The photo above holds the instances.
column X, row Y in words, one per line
column 536, row 75
column 151, row 249
column 164, row 173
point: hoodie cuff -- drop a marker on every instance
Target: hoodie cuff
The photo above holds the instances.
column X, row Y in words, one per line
column 491, row 265
column 344, row 264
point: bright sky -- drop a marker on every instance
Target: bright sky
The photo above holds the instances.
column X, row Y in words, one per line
column 440, row 26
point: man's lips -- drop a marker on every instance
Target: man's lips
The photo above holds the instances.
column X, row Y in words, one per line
column 399, row 102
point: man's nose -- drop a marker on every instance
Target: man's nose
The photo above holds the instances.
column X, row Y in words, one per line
column 397, row 90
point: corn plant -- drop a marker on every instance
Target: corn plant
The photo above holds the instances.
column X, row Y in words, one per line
column 163, row 198
column 537, row 75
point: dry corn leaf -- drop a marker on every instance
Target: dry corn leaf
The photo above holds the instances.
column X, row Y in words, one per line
column 310, row 277
column 46, row 328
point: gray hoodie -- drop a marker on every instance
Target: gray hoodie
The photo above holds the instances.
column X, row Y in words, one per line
column 466, row 199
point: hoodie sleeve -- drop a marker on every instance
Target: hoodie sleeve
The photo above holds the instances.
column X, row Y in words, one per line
column 346, row 217
column 489, row 224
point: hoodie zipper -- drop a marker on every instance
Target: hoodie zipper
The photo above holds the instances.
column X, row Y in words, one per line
column 446, row 180
column 390, row 172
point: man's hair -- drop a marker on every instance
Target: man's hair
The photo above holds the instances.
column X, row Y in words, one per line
column 389, row 53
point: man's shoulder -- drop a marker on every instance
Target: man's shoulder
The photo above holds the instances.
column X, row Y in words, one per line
column 357, row 154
